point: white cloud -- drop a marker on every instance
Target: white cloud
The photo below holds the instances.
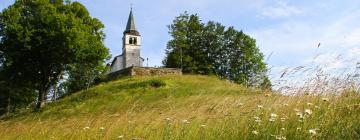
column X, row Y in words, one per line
column 353, row 38
column 281, row 9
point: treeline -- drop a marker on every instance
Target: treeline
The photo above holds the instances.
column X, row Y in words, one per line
column 212, row 49
column 48, row 48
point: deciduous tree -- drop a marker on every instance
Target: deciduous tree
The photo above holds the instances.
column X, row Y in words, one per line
column 40, row 39
column 212, row 48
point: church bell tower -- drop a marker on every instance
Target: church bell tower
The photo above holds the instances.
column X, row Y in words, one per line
column 131, row 44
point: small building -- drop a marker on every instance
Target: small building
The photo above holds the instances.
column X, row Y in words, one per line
column 131, row 41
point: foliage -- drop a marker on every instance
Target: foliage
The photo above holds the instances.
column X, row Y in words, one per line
column 211, row 48
column 188, row 107
column 41, row 39
column 13, row 94
column 82, row 76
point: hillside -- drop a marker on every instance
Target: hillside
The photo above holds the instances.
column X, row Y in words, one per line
column 187, row 107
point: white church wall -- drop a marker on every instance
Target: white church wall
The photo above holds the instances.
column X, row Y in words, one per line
column 118, row 64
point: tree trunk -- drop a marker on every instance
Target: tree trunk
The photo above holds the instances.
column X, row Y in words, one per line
column 41, row 99
column 8, row 107
column 55, row 93
column 48, row 81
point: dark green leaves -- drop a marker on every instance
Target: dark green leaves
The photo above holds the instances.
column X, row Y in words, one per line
column 42, row 39
column 210, row 48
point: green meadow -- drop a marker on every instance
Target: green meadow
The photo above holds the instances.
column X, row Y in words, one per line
column 187, row 107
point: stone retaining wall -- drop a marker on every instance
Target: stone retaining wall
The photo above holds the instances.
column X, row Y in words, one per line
column 144, row 71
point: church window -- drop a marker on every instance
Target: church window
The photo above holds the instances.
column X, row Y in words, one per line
column 133, row 40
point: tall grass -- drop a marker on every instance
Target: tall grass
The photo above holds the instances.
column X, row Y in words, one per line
column 188, row 107
column 319, row 79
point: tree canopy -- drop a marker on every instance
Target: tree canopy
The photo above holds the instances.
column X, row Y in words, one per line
column 41, row 39
column 212, row 49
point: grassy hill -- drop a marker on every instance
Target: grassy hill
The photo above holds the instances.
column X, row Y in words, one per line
column 187, row 107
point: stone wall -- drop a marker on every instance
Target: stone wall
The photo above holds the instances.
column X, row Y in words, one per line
column 144, row 71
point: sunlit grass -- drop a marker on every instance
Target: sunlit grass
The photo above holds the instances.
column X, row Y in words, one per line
column 188, row 107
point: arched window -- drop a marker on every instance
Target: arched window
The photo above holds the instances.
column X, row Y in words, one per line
column 131, row 40
column 135, row 40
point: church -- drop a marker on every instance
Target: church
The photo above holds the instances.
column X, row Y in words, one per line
column 130, row 63
column 131, row 43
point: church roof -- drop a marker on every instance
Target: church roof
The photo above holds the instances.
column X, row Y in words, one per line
column 130, row 27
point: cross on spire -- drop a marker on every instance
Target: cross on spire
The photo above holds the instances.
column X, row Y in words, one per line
column 130, row 27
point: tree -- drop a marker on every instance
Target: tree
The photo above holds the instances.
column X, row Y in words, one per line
column 41, row 39
column 82, row 76
column 212, row 48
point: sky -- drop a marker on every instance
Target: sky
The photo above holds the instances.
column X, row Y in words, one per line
column 288, row 32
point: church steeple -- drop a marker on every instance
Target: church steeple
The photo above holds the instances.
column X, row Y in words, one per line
column 130, row 27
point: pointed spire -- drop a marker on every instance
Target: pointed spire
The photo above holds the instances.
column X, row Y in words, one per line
column 130, row 27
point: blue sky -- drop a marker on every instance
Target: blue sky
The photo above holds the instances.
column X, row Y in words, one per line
column 289, row 30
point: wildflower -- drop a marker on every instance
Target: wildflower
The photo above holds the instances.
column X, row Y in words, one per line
column 298, row 129
column 257, row 119
column 185, row 121
column 102, row 128
column 308, row 111
column 120, row 137
column 325, row 99
column 255, row 132
column 168, row 119
column 312, row 132
column 280, row 138
column 260, row 106
column 240, row 104
column 273, row 115
column 87, row 127
column 283, row 119
column 301, row 116
column 272, row 119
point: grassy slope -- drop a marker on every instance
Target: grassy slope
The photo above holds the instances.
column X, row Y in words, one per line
column 187, row 107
